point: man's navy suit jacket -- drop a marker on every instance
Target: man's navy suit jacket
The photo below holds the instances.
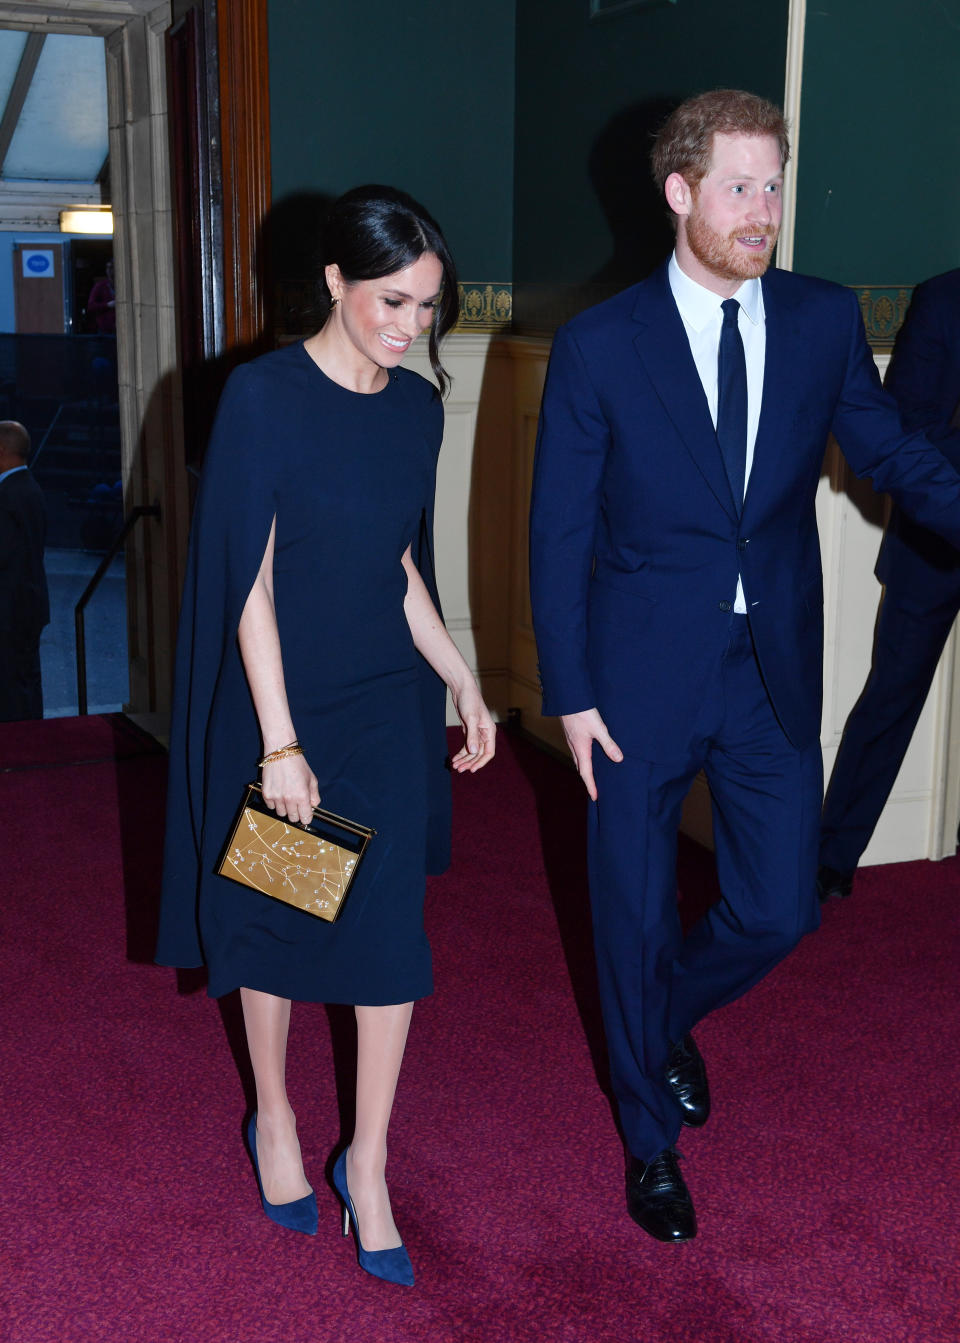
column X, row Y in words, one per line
column 635, row 540
column 919, row 567
column 24, row 602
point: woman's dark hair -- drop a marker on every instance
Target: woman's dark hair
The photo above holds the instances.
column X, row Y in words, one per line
column 373, row 231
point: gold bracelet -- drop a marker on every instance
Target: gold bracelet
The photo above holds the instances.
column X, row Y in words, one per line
column 294, row 748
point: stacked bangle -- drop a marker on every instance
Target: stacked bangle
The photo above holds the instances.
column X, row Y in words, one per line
column 294, row 748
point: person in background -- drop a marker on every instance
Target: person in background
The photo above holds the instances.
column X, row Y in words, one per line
column 677, row 601
column 102, row 303
column 921, row 577
column 24, row 601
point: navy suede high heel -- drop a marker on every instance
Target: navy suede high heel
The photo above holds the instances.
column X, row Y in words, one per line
column 301, row 1213
column 390, row 1265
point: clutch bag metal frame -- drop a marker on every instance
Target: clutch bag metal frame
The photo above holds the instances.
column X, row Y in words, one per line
column 311, row 867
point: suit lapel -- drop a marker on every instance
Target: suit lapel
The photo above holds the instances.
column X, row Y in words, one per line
column 784, row 351
column 661, row 342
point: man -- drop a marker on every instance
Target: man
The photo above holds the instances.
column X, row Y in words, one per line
column 921, row 574
column 24, row 605
column 677, row 600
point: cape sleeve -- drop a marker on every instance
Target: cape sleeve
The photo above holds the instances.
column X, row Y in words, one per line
column 433, row 692
column 234, row 511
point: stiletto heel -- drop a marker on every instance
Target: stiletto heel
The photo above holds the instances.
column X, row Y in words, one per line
column 390, row 1265
column 298, row 1215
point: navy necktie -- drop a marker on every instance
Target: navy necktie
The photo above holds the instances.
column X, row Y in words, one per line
column 732, row 401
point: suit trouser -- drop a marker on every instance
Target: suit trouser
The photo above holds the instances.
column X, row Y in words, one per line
column 655, row 984
column 878, row 731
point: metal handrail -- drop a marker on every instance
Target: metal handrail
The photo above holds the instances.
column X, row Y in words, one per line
column 141, row 511
column 50, row 428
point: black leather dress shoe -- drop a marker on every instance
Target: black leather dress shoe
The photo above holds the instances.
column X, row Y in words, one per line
column 833, row 885
column 658, row 1199
column 686, row 1076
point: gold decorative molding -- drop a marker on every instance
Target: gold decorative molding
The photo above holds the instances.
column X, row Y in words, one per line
column 485, row 306
column 884, row 307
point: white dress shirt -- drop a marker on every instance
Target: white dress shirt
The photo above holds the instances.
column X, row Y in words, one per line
column 702, row 318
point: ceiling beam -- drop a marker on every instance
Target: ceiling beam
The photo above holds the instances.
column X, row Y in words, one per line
column 18, row 92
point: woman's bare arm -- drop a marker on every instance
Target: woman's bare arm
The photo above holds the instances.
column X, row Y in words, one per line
column 433, row 641
column 289, row 786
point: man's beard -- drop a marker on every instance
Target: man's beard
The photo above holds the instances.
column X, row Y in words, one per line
column 721, row 254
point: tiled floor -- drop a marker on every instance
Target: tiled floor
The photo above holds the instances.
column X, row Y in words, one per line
column 68, row 572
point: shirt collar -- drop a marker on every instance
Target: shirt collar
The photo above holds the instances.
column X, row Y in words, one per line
column 12, row 472
column 700, row 306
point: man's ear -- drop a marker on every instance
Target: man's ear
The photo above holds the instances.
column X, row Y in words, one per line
column 678, row 193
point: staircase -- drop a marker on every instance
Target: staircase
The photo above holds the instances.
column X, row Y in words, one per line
column 64, row 390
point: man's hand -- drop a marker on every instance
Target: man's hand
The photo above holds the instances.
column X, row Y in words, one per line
column 581, row 731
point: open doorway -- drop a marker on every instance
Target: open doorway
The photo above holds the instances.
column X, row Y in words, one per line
column 136, row 373
column 58, row 343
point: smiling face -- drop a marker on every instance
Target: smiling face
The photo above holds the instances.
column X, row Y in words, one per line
column 727, row 226
column 380, row 319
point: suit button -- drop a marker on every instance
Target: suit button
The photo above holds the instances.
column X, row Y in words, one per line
column 726, row 606
column 742, row 543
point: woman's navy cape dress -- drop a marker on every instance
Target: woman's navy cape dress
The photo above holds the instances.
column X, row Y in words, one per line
column 350, row 479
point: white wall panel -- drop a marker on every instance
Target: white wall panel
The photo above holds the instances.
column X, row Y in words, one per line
column 464, row 357
column 470, row 553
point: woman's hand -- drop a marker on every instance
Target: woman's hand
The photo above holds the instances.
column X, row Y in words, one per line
column 433, row 641
column 290, row 787
column 479, row 730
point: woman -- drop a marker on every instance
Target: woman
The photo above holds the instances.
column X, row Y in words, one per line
column 102, row 303
column 309, row 596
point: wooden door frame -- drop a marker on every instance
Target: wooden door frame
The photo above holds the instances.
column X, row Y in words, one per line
column 151, row 409
column 242, row 39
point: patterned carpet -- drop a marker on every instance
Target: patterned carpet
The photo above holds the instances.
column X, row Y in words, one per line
column 825, row 1182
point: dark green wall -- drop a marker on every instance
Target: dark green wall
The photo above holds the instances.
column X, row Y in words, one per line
column 524, row 126
column 879, row 166
column 417, row 94
column 589, row 94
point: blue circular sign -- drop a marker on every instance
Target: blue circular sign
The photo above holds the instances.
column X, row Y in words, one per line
column 38, row 263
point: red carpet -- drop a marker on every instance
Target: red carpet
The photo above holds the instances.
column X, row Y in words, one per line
column 825, row 1181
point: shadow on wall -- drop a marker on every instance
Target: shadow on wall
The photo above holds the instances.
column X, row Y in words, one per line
column 291, row 243
column 635, row 212
column 633, row 205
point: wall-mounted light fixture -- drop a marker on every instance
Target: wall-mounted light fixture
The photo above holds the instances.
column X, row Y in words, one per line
column 86, row 221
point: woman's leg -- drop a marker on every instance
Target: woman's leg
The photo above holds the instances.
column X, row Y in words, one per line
column 267, row 1020
column 381, row 1037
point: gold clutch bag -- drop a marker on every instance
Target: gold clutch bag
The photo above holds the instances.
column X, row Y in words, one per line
column 309, row 866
